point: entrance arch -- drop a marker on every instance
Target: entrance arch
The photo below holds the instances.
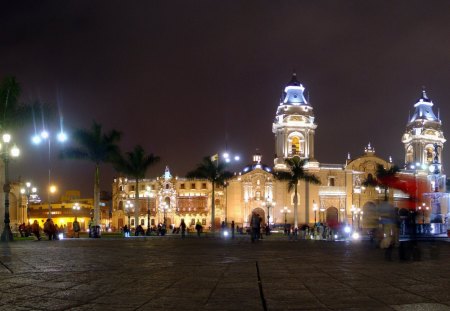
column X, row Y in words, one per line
column 332, row 216
column 261, row 214
column 370, row 216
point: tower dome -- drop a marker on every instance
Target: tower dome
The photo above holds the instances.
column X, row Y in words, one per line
column 423, row 130
column 293, row 125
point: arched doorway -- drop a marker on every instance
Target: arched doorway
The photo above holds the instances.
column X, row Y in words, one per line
column 261, row 214
column 369, row 218
column 332, row 216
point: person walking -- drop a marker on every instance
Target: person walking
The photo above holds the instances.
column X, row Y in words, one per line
column 198, row 228
column 35, row 229
column 254, row 222
column 183, row 229
column 76, row 228
column 91, row 227
column 232, row 229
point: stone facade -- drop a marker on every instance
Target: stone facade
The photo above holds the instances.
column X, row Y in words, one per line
column 340, row 198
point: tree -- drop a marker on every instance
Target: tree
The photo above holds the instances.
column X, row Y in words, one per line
column 98, row 147
column 216, row 174
column 295, row 173
column 135, row 164
column 384, row 178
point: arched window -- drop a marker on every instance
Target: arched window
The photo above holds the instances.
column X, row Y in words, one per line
column 429, row 153
column 295, row 145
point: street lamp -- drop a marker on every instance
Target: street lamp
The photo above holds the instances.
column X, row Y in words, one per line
column 28, row 191
column 76, row 207
column 315, row 211
column 228, row 158
column 149, row 195
column 358, row 211
column 165, row 208
column 342, row 210
column 6, row 151
column 353, row 209
column 37, row 139
column 269, row 203
column 285, row 211
column 51, row 191
column 128, row 207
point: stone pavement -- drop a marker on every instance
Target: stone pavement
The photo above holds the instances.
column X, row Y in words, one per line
column 167, row 273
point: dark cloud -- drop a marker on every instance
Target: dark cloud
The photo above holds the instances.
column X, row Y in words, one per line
column 187, row 78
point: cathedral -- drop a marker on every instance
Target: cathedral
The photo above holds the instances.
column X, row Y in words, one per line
column 340, row 198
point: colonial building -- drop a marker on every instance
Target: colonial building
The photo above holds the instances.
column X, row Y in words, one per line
column 340, row 198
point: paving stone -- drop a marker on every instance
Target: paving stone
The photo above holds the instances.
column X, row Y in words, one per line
column 204, row 274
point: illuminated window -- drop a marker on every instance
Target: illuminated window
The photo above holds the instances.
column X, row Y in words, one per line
column 131, row 188
column 192, row 186
column 132, row 222
column 429, row 153
column 204, row 185
column 204, row 221
column 142, row 222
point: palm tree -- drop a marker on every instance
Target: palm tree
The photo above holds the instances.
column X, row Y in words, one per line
column 98, row 147
column 386, row 177
column 215, row 173
column 296, row 172
column 135, row 164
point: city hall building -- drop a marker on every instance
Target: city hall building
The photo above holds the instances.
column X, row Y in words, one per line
column 340, row 198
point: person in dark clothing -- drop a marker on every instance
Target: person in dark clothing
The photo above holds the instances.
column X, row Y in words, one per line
column 198, row 228
column 183, row 229
column 36, row 230
column 232, row 229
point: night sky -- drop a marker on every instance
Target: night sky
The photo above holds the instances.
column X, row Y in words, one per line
column 189, row 78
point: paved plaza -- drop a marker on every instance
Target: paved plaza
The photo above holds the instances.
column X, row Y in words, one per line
column 168, row 273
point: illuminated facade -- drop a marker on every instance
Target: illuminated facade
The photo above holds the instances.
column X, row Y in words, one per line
column 340, row 198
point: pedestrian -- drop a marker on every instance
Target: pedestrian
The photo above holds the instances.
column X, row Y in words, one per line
column 48, row 229
column 232, row 229
column 22, row 230
column 260, row 237
column 198, row 227
column 91, row 227
column 254, row 222
column 183, row 229
column 56, row 231
column 35, row 229
column 76, row 228
column 126, row 231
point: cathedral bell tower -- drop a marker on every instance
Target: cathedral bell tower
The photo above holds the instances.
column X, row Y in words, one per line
column 423, row 131
column 293, row 125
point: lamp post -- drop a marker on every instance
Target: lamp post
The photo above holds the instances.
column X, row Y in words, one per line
column 37, row 139
column 269, row 204
column 322, row 214
column 228, row 159
column 342, row 210
column 27, row 191
column 76, row 207
column 285, row 211
column 7, row 151
column 149, row 195
column 315, row 211
column 51, row 191
column 353, row 209
column 128, row 207
column 358, row 210
column 165, row 208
